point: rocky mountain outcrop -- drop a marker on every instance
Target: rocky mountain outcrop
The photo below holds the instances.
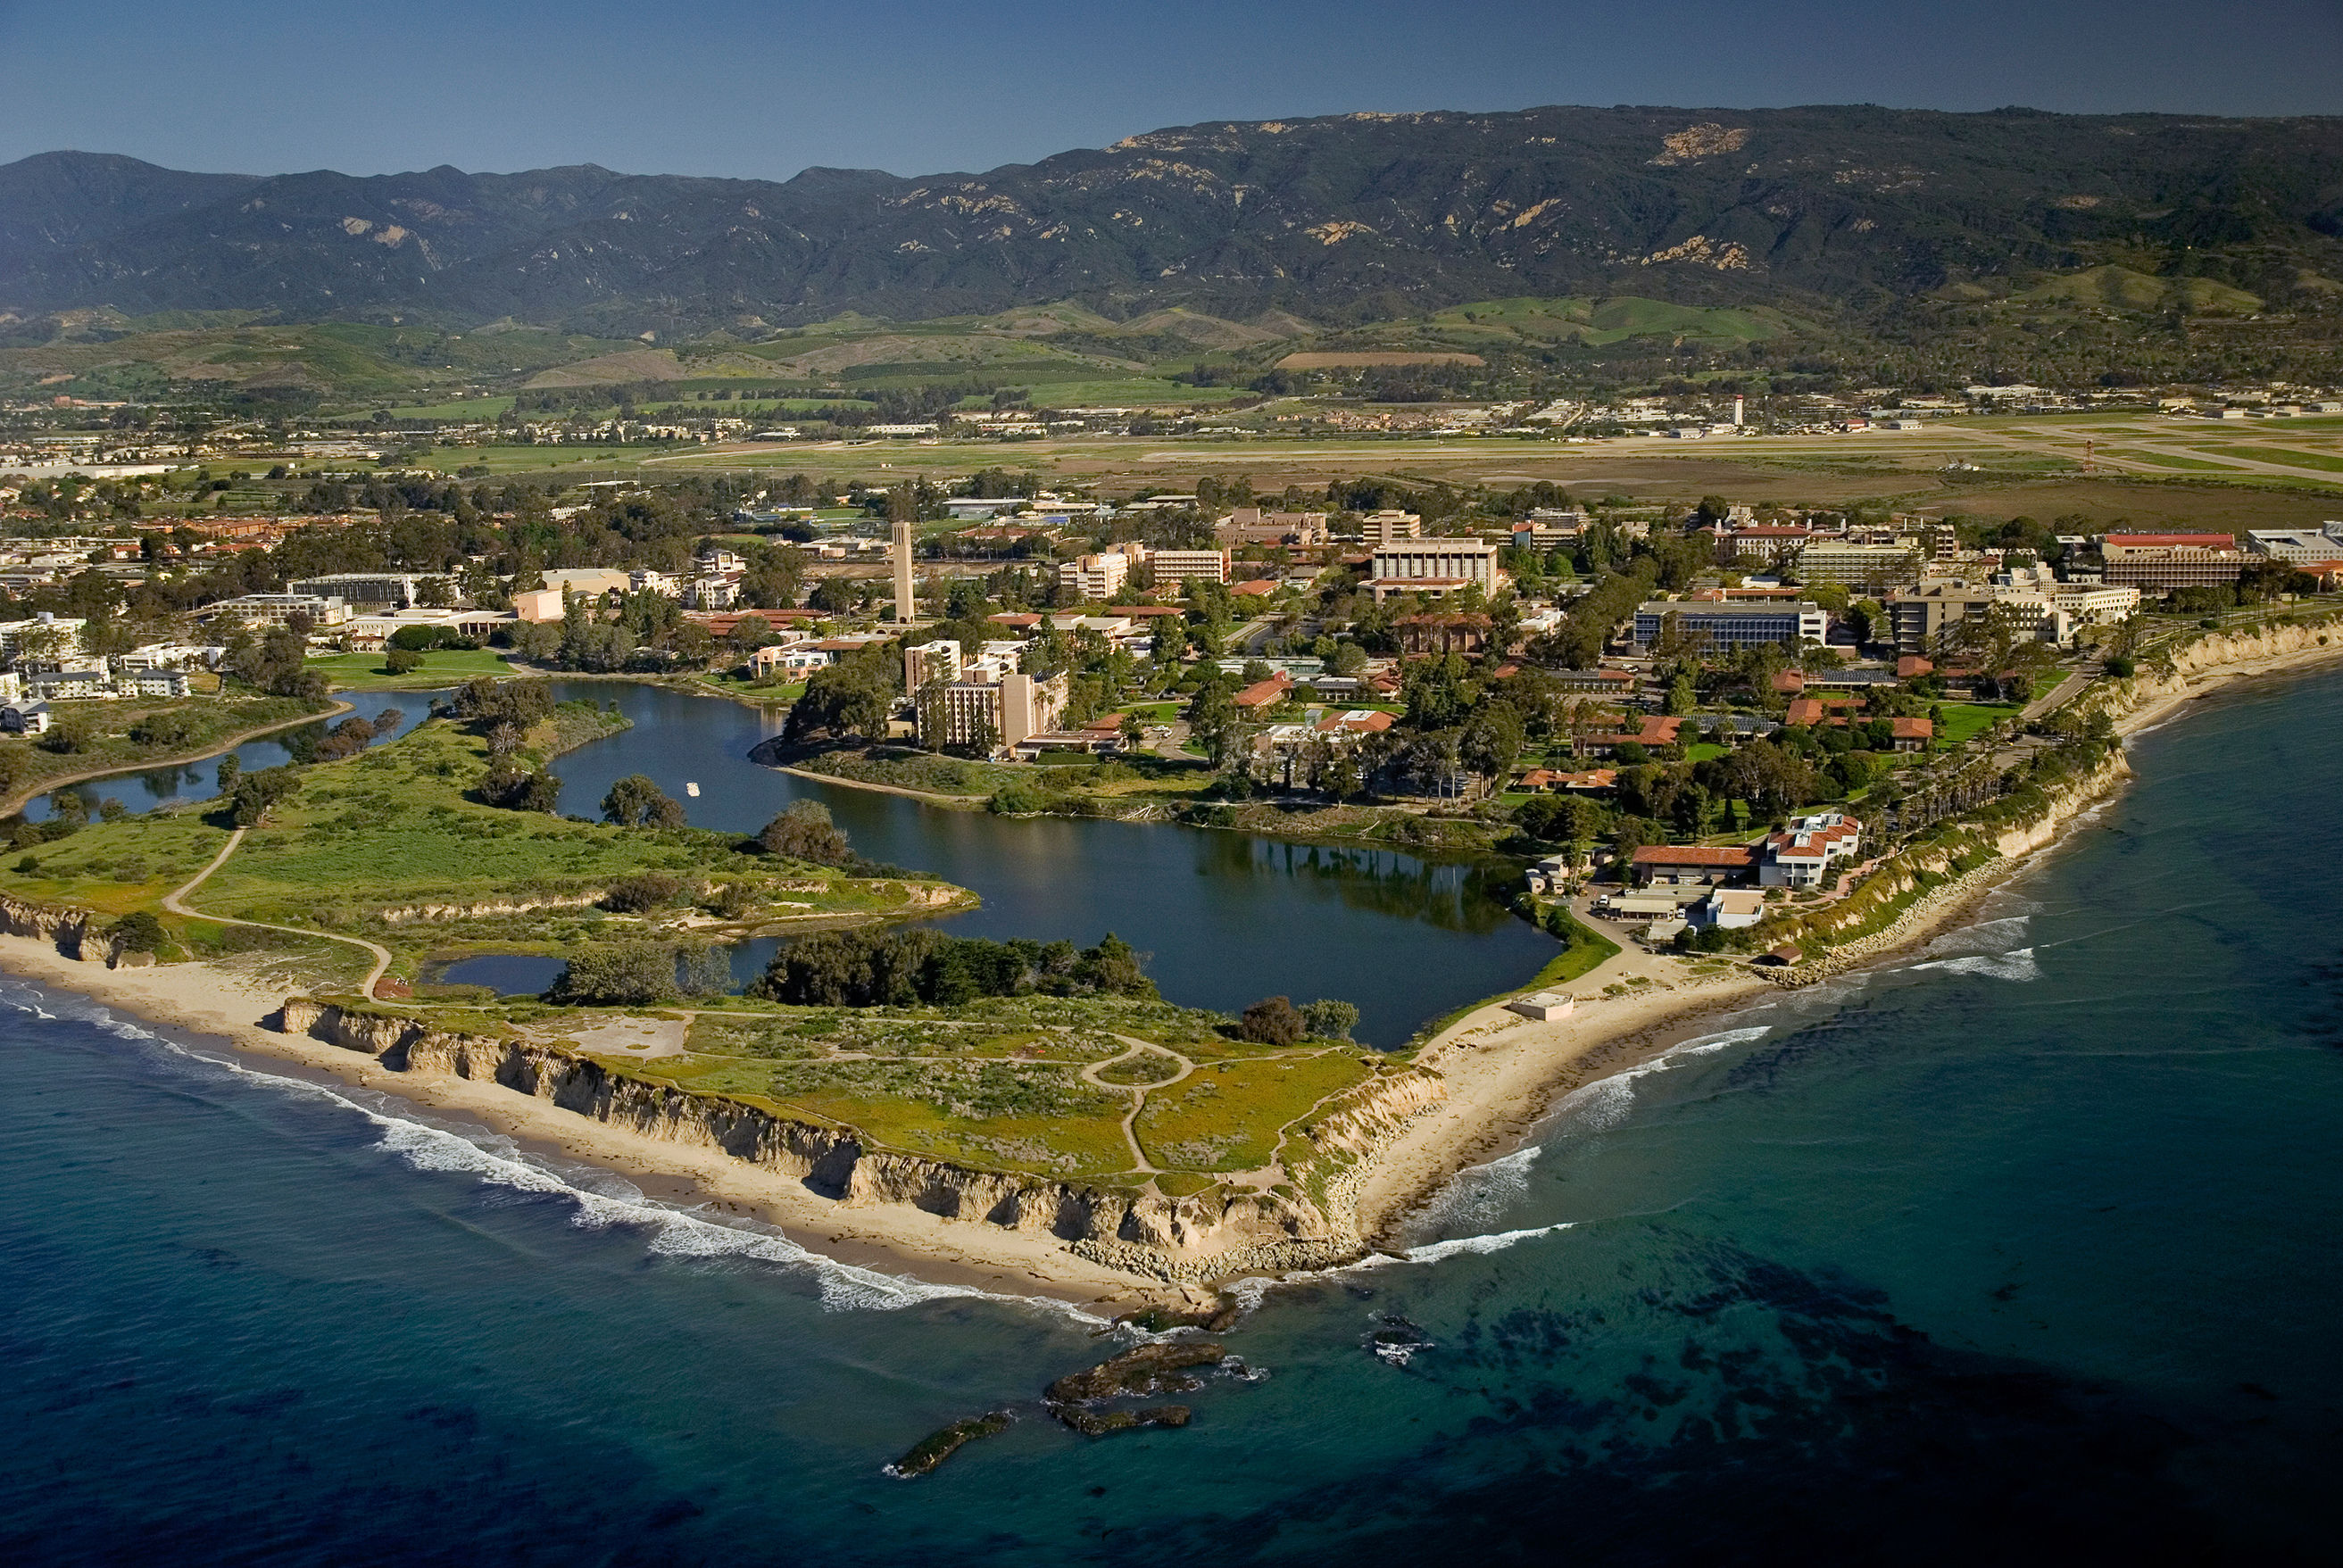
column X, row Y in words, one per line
column 1193, row 1237
column 1340, row 217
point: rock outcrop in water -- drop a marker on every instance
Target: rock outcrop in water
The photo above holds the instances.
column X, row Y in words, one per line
column 1147, row 1233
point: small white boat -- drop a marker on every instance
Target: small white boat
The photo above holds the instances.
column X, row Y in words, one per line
column 692, row 791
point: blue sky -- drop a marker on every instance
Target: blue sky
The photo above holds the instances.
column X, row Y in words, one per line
column 765, row 87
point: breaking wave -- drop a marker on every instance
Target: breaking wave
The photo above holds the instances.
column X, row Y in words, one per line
column 602, row 1199
column 2017, row 964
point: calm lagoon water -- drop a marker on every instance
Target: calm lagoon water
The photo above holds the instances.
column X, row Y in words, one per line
column 180, row 785
column 2020, row 1249
column 1226, row 919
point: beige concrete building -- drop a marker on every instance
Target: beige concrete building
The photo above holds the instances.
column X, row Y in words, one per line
column 994, row 706
column 1434, row 567
column 1251, row 526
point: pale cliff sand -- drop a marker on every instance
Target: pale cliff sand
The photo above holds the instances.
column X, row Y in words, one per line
column 1502, row 1073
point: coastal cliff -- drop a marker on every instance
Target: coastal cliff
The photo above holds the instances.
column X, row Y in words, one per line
column 1308, row 1221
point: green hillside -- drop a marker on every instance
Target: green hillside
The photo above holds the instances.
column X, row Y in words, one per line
column 2112, row 287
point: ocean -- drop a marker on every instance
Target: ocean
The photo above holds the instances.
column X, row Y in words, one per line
column 2020, row 1245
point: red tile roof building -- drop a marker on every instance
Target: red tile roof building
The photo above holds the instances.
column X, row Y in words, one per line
column 1691, row 862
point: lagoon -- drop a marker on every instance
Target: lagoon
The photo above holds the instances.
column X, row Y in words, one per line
column 1227, row 918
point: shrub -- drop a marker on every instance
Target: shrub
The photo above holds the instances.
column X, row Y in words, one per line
column 617, row 974
column 513, row 787
column 255, row 793
column 402, row 662
column 1328, row 1019
column 1272, row 1021
column 643, row 891
column 635, row 802
column 138, row 932
column 805, row 832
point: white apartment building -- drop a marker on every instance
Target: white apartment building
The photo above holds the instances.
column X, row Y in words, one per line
column 46, row 635
column 278, row 609
column 1390, row 525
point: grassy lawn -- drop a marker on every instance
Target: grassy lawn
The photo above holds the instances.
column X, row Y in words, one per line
column 1230, row 1116
column 119, row 867
column 395, row 827
column 2291, row 459
column 440, row 667
column 1703, row 751
column 2162, row 460
column 1589, row 949
column 1964, row 721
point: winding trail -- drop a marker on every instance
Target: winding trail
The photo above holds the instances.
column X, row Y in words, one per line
column 1138, row 1092
column 174, row 901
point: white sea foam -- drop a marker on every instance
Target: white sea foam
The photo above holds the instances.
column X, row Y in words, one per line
column 1985, row 936
column 1481, row 1246
column 602, row 1199
column 1477, row 1194
column 2017, row 964
column 1599, row 1106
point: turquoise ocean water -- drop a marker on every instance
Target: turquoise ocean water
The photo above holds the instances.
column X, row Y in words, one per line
column 2022, row 1247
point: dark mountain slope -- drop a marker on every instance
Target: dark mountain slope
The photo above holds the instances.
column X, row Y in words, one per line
column 54, row 201
column 1349, row 218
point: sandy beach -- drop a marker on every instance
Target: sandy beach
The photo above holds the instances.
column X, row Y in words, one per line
column 1502, row 1073
column 890, row 1239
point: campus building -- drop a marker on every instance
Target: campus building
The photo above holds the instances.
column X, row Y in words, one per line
column 1730, row 625
column 1434, row 567
column 2158, row 563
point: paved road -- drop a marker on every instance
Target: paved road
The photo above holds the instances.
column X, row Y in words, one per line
column 2057, row 696
column 177, row 903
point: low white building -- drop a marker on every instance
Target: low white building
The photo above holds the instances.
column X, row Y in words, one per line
column 24, row 718
column 74, row 681
column 1545, row 1006
column 279, row 609
column 1803, row 853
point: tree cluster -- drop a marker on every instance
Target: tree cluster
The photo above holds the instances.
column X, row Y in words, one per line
column 901, row 967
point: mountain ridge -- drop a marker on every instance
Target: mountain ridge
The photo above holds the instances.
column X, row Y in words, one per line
column 1339, row 218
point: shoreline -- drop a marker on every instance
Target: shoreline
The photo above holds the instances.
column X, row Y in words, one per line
column 24, row 797
column 890, row 1239
column 1504, row 1074
column 1493, row 1106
